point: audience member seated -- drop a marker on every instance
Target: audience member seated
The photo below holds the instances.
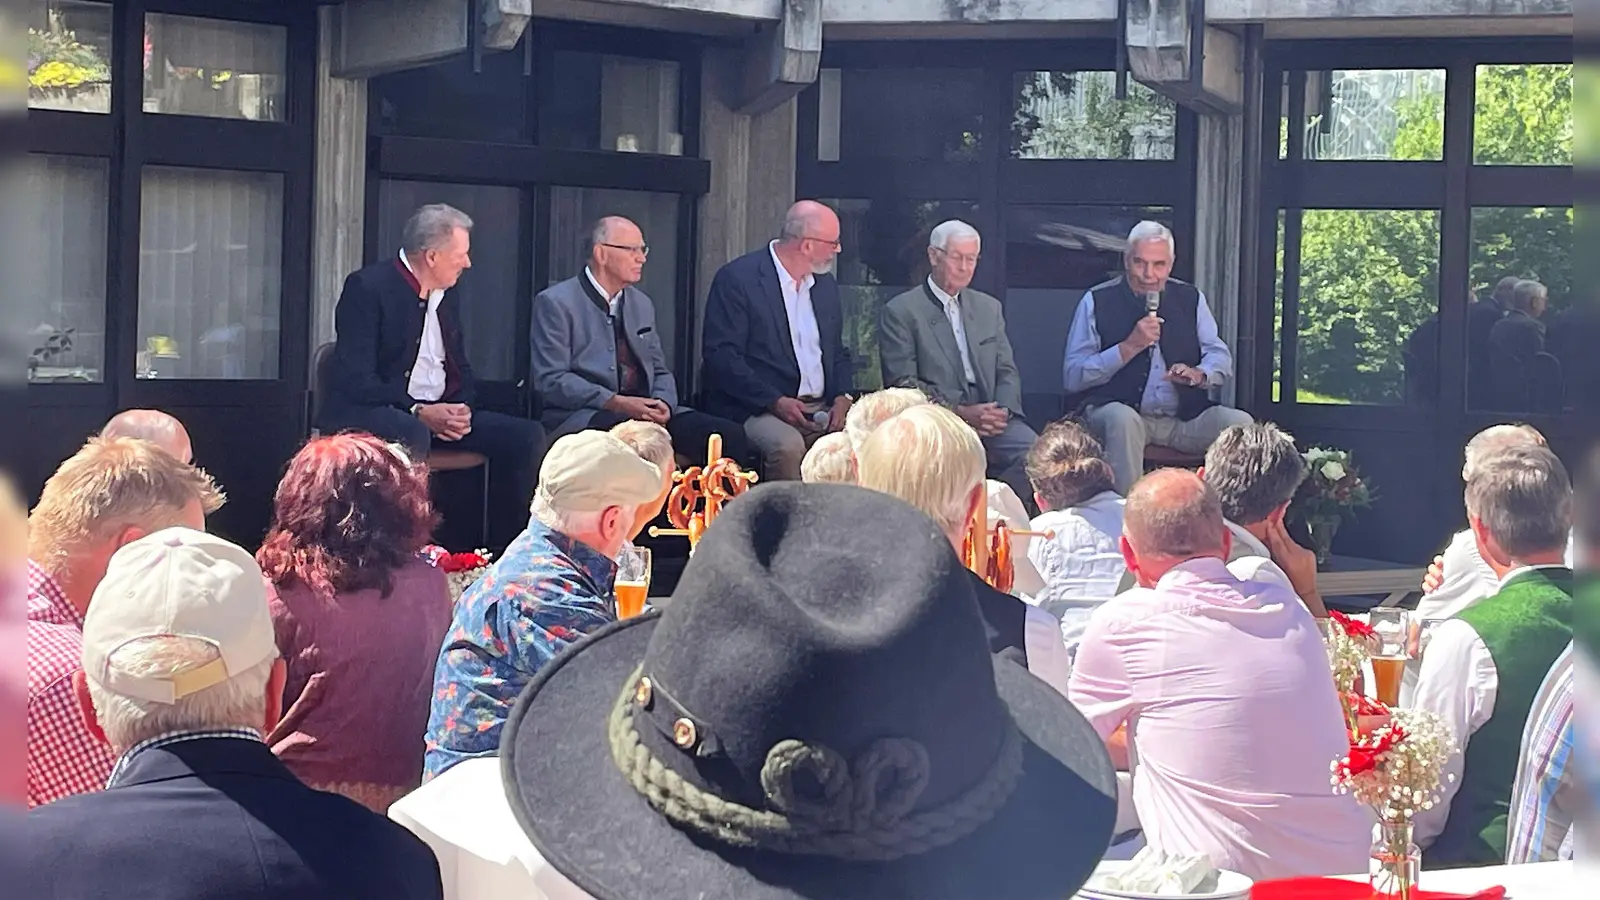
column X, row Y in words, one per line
column 654, row 445
column 358, row 614
column 553, row 585
column 1145, row 378
column 931, row 459
column 400, row 368
column 1484, row 666
column 154, row 426
column 876, row 408
column 950, row 340
column 772, row 350
column 1255, row 470
column 1082, row 565
column 181, row 678
column 597, row 358
column 831, row 460
column 1227, row 695
column 111, row 492
column 1546, row 796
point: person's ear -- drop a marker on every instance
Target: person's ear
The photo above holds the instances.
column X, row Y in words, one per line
column 128, row 535
column 1129, row 558
column 974, row 500
column 1039, row 501
column 1200, row 473
column 1277, row 515
column 85, row 703
column 1227, row 543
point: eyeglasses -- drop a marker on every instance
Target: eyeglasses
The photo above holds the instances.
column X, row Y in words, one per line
column 641, row 249
column 960, row 259
column 834, row 243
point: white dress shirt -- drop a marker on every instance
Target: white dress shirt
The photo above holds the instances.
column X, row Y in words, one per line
column 1087, row 366
column 1467, row 579
column 803, row 331
column 1082, row 565
column 1048, row 659
column 427, row 373
column 613, row 301
column 952, row 311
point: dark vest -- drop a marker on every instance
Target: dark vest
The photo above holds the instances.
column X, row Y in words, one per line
column 1116, row 311
column 1004, row 621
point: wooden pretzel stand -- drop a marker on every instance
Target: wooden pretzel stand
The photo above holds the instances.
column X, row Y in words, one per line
column 697, row 497
column 987, row 549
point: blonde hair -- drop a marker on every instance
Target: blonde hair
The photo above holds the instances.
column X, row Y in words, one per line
column 239, row 702
column 929, row 458
column 650, row 441
column 877, row 408
column 830, row 460
column 108, row 485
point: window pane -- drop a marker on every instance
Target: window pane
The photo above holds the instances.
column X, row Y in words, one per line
column 1521, row 357
column 69, row 56
column 1368, row 280
column 573, row 212
column 902, row 114
column 596, row 102
column 1523, row 116
column 1076, row 115
column 1395, row 114
column 1055, row 254
column 72, row 195
column 210, row 67
column 885, row 252
column 210, row 273
column 449, row 100
column 485, row 298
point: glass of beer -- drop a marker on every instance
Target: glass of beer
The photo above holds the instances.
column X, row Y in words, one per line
column 1395, row 637
column 633, row 581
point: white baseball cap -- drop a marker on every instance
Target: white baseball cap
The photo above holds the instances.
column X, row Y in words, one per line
column 592, row 470
column 178, row 583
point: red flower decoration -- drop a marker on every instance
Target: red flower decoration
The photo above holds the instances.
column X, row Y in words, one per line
column 1353, row 627
column 461, row 562
column 1366, row 754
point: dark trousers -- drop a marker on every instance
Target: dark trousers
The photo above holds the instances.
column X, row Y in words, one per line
column 690, row 430
column 513, row 445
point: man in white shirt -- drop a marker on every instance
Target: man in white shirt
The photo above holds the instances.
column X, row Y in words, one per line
column 773, row 355
column 1142, row 356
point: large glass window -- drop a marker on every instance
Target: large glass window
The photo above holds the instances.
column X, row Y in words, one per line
column 885, row 252
column 1523, row 115
column 1374, row 114
column 209, row 67
column 595, row 101
column 573, row 212
column 1523, row 347
column 1369, row 280
column 922, row 115
column 210, row 273
column 72, row 196
column 485, row 298
column 1076, row 115
column 450, row 101
column 69, row 56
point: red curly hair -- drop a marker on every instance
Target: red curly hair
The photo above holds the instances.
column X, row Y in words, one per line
column 350, row 510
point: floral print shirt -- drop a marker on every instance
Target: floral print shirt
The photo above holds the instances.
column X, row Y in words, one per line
column 546, row 592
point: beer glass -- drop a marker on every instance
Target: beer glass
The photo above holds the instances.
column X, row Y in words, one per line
column 633, row 581
column 1393, row 627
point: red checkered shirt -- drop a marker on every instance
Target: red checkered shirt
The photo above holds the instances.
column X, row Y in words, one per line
column 63, row 757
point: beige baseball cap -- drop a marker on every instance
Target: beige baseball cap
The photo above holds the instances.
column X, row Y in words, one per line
column 178, row 583
column 593, row 470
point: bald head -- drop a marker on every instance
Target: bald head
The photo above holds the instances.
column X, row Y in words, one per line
column 1171, row 516
column 810, row 238
column 154, row 426
column 617, row 253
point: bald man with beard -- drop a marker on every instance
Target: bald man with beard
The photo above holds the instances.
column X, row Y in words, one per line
column 154, row 426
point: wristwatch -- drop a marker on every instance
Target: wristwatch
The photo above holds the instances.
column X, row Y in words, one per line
column 415, row 407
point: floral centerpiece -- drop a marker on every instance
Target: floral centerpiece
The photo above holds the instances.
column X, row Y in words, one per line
column 1331, row 490
column 460, row 569
column 1397, row 769
column 1349, row 642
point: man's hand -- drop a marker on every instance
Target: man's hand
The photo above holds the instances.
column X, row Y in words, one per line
column 1298, row 563
column 1147, row 332
column 841, row 408
column 792, row 411
column 447, row 421
column 987, row 419
column 1435, row 576
column 660, row 412
column 642, row 408
column 1188, row 375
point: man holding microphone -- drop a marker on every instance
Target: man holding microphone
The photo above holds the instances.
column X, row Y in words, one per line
column 1142, row 355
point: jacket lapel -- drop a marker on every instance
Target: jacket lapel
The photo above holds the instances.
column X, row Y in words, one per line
column 628, row 311
column 774, row 291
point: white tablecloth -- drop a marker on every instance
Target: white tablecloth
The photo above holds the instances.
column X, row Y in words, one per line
column 1537, row 881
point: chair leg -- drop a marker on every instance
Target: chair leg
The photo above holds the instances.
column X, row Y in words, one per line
column 483, row 522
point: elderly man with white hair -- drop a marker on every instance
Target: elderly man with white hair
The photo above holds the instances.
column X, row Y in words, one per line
column 949, row 339
column 1142, row 354
column 931, row 459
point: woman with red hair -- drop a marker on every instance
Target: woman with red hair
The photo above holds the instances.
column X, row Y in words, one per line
column 359, row 616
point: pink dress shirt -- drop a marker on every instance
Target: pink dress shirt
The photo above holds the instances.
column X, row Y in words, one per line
column 1232, row 718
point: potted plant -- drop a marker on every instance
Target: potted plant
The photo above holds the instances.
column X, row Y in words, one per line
column 1332, row 491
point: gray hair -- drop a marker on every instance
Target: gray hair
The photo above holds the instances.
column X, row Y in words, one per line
column 1523, row 497
column 954, row 229
column 1067, row 466
column 431, row 226
column 1254, row 469
column 1494, row 439
column 599, row 231
column 831, row 459
column 1525, row 293
column 1151, row 231
column 874, row 409
column 1504, row 289
column 239, row 702
column 929, row 458
column 1174, row 514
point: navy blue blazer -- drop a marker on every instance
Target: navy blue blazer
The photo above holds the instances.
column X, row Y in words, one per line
column 217, row 818
column 748, row 359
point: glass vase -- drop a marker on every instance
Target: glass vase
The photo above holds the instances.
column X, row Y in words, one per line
column 1321, row 532
column 1395, row 862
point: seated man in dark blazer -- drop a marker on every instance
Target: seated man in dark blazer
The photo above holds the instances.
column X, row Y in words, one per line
column 181, row 677
column 950, row 340
column 400, row 368
column 596, row 354
column 773, row 342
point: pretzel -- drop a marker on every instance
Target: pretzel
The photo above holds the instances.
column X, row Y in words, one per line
column 1002, row 573
column 699, row 493
column 684, row 497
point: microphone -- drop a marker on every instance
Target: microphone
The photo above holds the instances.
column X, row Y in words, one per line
column 1152, row 302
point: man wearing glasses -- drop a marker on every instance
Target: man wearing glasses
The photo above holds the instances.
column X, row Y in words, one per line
column 597, row 359
column 950, row 340
column 774, row 355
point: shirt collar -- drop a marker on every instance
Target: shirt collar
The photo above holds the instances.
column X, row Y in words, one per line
column 416, row 285
column 1523, row 570
column 946, row 298
column 803, row 284
column 177, row 737
column 600, row 289
column 601, row 569
column 47, row 602
column 1202, row 569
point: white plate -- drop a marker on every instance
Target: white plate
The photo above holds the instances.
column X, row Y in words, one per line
column 1230, row 886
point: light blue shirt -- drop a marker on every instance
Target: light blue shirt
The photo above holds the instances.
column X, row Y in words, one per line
column 1087, row 366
